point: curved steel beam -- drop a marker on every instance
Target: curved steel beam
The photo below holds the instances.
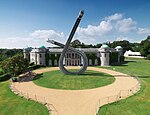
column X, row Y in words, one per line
column 68, row 48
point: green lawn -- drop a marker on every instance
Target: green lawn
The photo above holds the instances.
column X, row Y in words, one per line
column 58, row 80
column 138, row 104
column 11, row 104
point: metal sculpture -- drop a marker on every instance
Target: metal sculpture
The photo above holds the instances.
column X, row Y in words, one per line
column 68, row 48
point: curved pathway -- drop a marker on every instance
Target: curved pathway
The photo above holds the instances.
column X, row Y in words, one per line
column 76, row 102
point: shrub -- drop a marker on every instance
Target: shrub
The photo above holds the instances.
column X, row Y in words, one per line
column 113, row 58
column 5, row 77
column 148, row 57
column 31, row 64
column 34, row 67
column 121, row 58
column 14, row 65
column 1, row 72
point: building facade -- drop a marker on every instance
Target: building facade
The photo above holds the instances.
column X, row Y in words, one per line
column 96, row 56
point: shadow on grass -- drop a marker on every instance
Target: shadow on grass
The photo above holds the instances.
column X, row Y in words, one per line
column 95, row 74
column 123, row 63
column 38, row 76
column 130, row 61
column 148, row 76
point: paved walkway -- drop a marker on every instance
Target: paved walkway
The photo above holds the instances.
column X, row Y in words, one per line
column 77, row 102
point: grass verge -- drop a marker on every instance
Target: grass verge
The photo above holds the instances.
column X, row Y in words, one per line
column 11, row 104
column 139, row 104
column 58, row 80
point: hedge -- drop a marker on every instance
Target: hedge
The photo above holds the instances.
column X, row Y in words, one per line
column 113, row 57
column 4, row 77
column 1, row 72
column 121, row 58
column 33, row 67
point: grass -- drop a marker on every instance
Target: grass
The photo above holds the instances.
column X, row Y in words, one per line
column 57, row 80
column 11, row 104
column 138, row 104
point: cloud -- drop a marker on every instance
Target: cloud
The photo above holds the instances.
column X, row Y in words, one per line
column 126, row 25
column 44, row 34
column 143, row 31
column 102, row 29
column 16, row 42
column 111, row 26
column 34, row 39
column 107, row 30
column 114, row 17
column 91, row 33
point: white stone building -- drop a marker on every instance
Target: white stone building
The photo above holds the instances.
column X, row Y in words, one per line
column 50, row 56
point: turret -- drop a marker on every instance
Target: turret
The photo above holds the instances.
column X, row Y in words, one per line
column 37, row 56
column 105, row 53
column 26, row 52
column 41, row 51
column 119, row 49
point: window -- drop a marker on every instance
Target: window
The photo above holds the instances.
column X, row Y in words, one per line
column 69, row 55
column 40, row 55
column 72, row 55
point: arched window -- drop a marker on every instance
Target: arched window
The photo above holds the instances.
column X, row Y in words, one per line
column 55, row 62
column 96, row 62
column 40, row 55
column 90, row 61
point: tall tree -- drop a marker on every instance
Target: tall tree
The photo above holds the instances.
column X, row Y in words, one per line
column 145, row 47
column 135, row 47
column 125, row 44
column 14, row 65
column 75, row 43
column 6, row 53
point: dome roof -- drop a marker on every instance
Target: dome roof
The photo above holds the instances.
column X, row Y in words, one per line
column 118, row 47
column 42, row 47
column 104, row 46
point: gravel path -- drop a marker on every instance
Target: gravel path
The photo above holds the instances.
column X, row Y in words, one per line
column 76, row 102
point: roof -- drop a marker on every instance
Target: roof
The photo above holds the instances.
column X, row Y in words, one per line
column 86, row 50
column 131, row 53
column 42, row 47
column 118, row 47
column 104, row 46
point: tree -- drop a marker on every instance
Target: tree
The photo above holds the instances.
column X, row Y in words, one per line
column 124, row 44
column 145, row 47
column 6, row 53
column 135, row 47
column 15, row 65
column 98, row 45
column 75, row 43
column 148, row 57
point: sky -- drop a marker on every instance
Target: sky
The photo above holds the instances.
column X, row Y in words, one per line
column 28, row 23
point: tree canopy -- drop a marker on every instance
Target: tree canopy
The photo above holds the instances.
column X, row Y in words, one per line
column 145, row 47
column 14, row 65
column 6, row 53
